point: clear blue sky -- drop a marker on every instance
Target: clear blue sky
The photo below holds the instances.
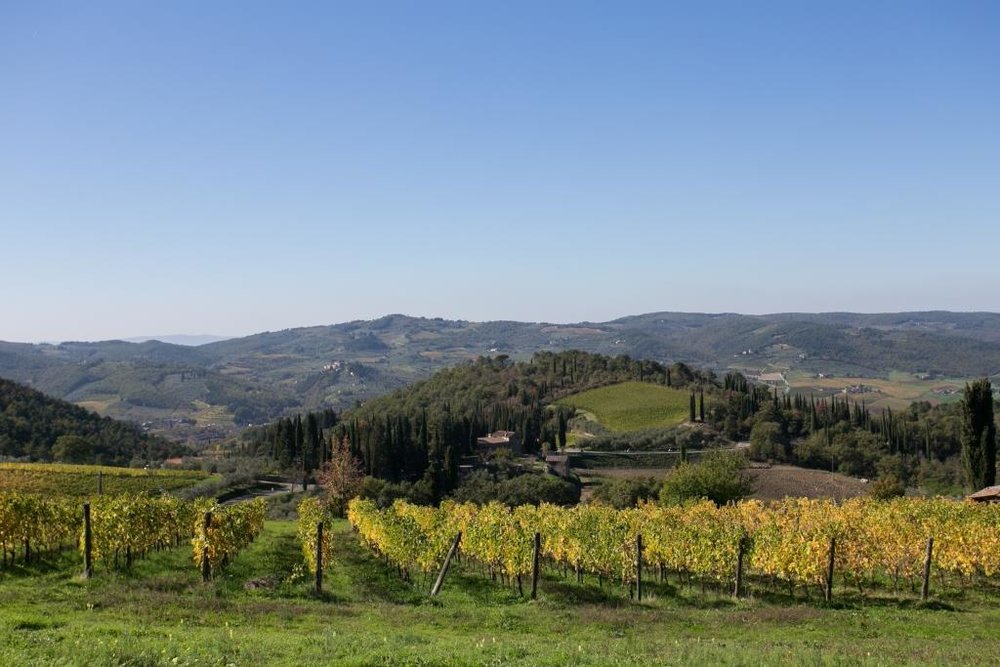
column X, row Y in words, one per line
column 233, row 167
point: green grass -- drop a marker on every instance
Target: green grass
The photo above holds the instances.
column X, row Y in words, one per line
column 262, row 612
column 632, row 406
column 82, row 480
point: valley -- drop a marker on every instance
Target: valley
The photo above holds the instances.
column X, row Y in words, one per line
column 205, row 393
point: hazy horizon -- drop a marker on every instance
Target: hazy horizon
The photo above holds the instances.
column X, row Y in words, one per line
column 171, row 338
column 238, row 168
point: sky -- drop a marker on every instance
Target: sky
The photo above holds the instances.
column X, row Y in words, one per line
column 236, row 167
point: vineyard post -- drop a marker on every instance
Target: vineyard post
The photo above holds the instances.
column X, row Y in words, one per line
column 925, row 589
column 535, row 565
column 319, row 558
column 88, row 565
column 447, row 562
column 829, row 569
column 100, row 482
column 738, row 589
column 206, row 565
column 638, row 567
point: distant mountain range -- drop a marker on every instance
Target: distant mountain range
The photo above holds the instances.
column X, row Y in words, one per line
column 186, row 390
column 180, row 339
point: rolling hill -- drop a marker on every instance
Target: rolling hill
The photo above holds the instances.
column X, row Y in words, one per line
column 36, row 426
column 204, row 392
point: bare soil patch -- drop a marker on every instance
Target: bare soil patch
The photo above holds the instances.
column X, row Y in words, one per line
column 777, row 482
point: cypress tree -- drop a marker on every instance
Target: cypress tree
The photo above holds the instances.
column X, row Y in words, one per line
column 979, row 436
column 691, row 406
column 311, row 455
column 300, row 439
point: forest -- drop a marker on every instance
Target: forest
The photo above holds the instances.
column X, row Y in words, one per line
column 37, row 427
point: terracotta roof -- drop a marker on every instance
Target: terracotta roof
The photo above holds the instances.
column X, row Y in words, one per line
column 493, row 440
column 989, row 493
column 497, row 438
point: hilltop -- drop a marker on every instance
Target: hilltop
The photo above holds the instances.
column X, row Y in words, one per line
column 43, row 428
column 211, row 390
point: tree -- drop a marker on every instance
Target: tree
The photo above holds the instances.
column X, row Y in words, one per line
column 310, row 456
column 691, row 408
column 720, row 477
column 625, row 493
column 72, row 449
column 765, row 441
column 341, row 477
column 563, row 423
column 979, row 435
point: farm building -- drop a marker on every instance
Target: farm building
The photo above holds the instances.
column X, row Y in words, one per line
column 991, row 494
column 499, row 440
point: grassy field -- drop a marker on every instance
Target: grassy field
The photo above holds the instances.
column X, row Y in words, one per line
column 74, row 480
column 211, row 414
column 261, row 612
column 631, row 406
column 896, row 391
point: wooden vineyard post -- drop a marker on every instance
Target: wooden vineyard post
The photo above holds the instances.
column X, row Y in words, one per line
column 828, row 593
column 319, row 558
column 638, row 568
column 206, row 565
column 88, row 565
column 100, row 483
column 535, row 565
column 447, row 562
column 925, row 589
column 740, row 552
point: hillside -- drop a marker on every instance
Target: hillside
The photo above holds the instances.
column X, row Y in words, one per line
column 631, row 406
column 42, row 428
column 423, row 430
column 201, row 393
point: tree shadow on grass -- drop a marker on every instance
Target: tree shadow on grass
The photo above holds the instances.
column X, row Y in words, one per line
column 849, row 600
column 369, row 578
column 67, row 562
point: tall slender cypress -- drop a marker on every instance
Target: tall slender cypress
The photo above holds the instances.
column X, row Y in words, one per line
column 979, row 435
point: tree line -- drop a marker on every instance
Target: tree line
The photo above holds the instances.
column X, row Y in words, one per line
column 422, row 432
column 41, row 428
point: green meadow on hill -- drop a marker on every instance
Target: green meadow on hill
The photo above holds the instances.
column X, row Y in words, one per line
column 632, row 406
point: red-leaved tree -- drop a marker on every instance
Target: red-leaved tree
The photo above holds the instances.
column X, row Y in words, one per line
column 341, row 476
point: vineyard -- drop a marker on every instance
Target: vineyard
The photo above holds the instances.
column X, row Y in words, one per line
column 795, row 543
column 786, row 544
column 84, row 480
column 155, row 595
column 116, row 530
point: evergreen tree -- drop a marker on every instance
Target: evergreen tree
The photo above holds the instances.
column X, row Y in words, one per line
column 979, row 435
column 310, row 458
column 691, row 414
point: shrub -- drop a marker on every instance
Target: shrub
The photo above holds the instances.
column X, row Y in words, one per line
column 624, row 493
column 720, row 477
